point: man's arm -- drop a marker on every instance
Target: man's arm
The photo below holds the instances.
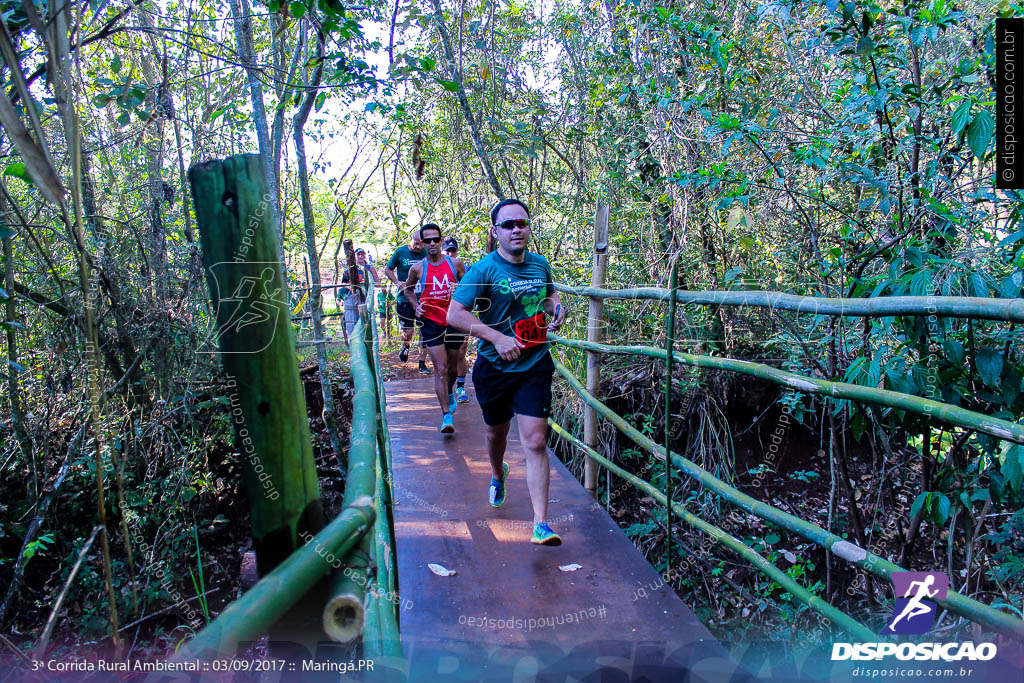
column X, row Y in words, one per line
column 460, row 268
column 389, row 273
column 463, row 319
column 553, row 307
column 409, row 287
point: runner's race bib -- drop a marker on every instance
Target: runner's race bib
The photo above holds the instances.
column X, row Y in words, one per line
column 532, row 331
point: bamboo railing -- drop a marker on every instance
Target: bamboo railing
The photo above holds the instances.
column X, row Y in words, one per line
column 979, row 308
column 272, row 431
column 860, row 557
column 944, row 412
column 742, row 549
column 363, row 598
column 252, row 615
column 360, row 540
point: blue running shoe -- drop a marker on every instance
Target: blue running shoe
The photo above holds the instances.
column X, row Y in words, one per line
column 452, row 405
column 543, row 535
column 447, row 425
column 496, row 492
column 461, row 395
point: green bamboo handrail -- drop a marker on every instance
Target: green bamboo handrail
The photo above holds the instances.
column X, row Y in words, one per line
column 984, row 308
column 344, row 612
column 842, row 619
column 839, row 547
column 810, row 385
column 254, row 613
column 384, row 436
column 384, row 601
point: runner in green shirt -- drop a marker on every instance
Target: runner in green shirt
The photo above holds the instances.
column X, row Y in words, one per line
column 397, row 270
column 512, row 292
column 384, row 300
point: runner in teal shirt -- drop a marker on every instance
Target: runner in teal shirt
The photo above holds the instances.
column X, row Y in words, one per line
column 509, row 295
column 512, row 292
column 397, row 270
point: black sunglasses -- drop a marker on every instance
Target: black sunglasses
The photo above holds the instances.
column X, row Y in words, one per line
column 431, row 240
column 512, row 223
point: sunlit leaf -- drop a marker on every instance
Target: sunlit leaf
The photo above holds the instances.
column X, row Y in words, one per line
column 980, row 132
column 961, row 116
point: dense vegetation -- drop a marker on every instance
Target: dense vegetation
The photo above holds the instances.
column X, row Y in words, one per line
column 823, row 148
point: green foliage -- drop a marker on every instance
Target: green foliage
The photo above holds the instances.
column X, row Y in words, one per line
column 640, row 529
column 40, row 544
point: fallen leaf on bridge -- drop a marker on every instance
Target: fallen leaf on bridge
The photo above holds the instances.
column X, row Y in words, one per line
column 440, row 571
column 570, row 567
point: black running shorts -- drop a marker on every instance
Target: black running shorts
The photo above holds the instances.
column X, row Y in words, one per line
column 504, row 394
column 406, row 315
column 433, row 334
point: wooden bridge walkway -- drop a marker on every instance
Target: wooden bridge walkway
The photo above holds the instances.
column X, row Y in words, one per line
column 510, row 610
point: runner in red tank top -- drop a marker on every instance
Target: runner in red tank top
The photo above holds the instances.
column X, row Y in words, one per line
column 435, row 290
column 429, row 288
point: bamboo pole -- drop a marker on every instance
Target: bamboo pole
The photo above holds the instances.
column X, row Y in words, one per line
column 255, row 612
column 944, row 412
column 843, row 549
column 670, row 338
column 984, row 308
column 819, row 605
column 595, row 333
column 384, row 443
column 386, row 597
column 345, row 611
column 240, row 255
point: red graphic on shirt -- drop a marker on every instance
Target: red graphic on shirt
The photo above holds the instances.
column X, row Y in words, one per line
column 532, row 331
column 438, row 285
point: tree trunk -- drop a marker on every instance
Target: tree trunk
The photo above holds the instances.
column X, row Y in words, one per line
column 246, row 55
column 298, row 126
column 474, row 130
column 258, row 351
column 17, row 414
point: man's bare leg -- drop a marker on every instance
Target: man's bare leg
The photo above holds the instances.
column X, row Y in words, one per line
column 451, row 365
column 438, row 358
column 533, row 432
column 497, row 437
column 462, row 359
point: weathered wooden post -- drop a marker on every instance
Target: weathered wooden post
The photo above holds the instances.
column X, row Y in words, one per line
column 595, row 333
column 268, row 409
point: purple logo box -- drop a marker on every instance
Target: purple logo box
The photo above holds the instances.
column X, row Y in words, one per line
column 915, row 608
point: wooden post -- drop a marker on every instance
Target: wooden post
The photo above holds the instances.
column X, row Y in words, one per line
column 268, row 408
column 595, row 333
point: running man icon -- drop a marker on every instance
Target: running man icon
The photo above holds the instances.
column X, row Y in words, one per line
column 251, row 306
column 914, row 609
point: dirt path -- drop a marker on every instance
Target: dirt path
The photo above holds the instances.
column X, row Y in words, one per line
column 395, row 369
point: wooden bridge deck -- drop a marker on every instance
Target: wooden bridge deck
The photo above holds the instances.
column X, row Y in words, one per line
column 509, row 610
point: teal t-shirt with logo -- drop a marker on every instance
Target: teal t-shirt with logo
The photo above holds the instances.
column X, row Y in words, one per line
column 400, row 262
column 510, row 298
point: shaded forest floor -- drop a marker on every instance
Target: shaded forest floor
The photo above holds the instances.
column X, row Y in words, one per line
column 222, row 524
